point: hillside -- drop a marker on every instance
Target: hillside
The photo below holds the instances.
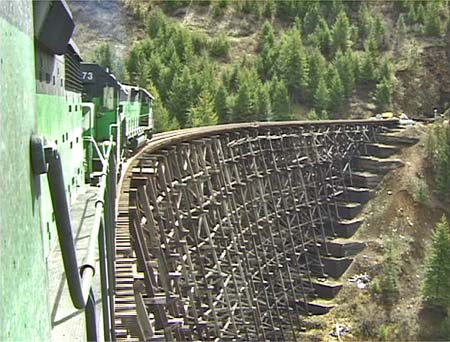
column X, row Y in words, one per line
column 276, row 60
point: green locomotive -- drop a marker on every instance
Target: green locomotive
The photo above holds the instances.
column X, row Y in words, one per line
column 45, row 94
column 113, row 110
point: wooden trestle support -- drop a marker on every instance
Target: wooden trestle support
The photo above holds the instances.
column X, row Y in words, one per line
column 230, row 229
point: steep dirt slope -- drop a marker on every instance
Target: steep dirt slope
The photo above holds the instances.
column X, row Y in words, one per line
column 103, row 21
column 402, row 215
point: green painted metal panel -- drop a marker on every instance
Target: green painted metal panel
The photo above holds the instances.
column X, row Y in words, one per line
column 59, row 121
column 24, row 309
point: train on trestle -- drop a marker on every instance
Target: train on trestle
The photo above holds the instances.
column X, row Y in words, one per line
column 75, row 110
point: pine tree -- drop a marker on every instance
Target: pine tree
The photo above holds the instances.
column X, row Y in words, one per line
column 384, row 94
column 280, row 101
column 203, row 113
column 345, row 65
column 367, row 73
column 324, row 37
column 295, row 66
column 262, row 103
column 181, row 97
column 220, row 47
column 341, row 32
column 432, row 20
column 389, row 279
column 321, row 96
column 336, row 92
column 269, row 9
column 412, row 15
column 161, row 117
column 243, row 106
column 420, row 13
column 366, row 21
column 436, row 286
column 317, row 70
column 443, row 161
column 401, row 28
column 221, row 106
column 312, row 18
column 267, row 38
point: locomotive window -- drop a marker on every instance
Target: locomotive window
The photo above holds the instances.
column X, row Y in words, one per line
column 108, row 97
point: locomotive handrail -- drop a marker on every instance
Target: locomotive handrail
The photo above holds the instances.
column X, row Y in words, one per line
column 46, row 159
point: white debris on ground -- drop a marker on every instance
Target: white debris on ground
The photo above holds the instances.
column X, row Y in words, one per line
column 361, row 280
column 340, row 330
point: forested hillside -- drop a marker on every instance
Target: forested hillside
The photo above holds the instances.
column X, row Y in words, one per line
column 232, row 61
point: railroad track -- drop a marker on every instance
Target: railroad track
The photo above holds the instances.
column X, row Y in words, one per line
column 126, row 326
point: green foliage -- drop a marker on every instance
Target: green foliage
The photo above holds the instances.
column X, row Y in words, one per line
column 294, row 65
column 203, row 113
column 220, row 47
column 336, row 92
column 421, row 194
column 345, row 64
column 367, row 74
column 436, row 286
column 221, row 105
column 389, row 279
column 438, row 148
column 341, row 32
column 161, row 117
column 280, row 101
column 269, row 9
column 432, row 20
column 181, row 97
column 384, row 93
column 262, row 103
column 321, row 96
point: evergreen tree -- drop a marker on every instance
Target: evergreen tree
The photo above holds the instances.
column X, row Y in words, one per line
column 267, row 38
column 156, row 23
column 161, row 117
column 280, row 101
column 181, row 97
column 401, row 28
column 412, row 15
column 312, row 18
column 380, row 33
column 103, row 56
column 367, row 73
column 386, row 70
column 133, row 65
column 321, row 96
column 389, row 279
column 324, row 38
column 384, row 94
column 366, row 21
column 443, row 161
column 269, row 9
column 432, row 20
column 203, row 113
column 341, row 32
column 243, row 106
column 420, row 13
column 336, row 92
column 295, row 66
column 436, row 287
column 220, row 47
column 317, row 70
column 221, row 106
column 345, row 65
column 262, row 103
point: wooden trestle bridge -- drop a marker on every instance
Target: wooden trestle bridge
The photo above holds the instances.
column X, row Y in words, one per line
column 227, row 233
